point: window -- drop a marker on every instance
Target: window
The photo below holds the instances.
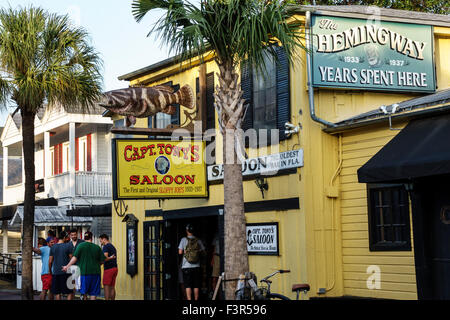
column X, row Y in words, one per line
column 84, row 162
column 267, row 94
column 162, row 120
column 389, row 226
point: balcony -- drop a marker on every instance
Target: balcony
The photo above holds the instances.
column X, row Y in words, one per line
column 87, row 185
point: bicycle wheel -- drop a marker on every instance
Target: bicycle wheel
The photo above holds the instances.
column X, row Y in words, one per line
column 276, row 296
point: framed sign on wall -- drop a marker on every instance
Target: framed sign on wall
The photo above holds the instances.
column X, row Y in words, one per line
column 132, row 240
column 372, row 54
column 158, row 169
column 262, row 238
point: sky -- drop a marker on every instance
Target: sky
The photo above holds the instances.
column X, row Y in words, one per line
column 121, row 42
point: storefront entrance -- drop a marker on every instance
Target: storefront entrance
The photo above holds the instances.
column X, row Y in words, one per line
column 162, row 275
column 433, row 254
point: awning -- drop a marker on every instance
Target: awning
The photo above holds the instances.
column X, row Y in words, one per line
column 421, row 149
column 51, row 216
column 102, row 210
column 7, row 212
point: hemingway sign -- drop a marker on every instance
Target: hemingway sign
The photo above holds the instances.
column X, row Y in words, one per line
column 263, row 165
column 262, row 238
column 372, row 54
column 149, row 169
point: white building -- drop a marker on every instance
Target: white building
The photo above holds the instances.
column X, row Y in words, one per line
column 73, row 170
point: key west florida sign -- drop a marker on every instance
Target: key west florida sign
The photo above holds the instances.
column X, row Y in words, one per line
column 372, row 54
column 157, row 169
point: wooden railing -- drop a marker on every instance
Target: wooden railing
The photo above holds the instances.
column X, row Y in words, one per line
column 93, row 184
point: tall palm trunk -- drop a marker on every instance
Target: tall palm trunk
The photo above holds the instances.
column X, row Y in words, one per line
column 29, row 201
column 230, row 107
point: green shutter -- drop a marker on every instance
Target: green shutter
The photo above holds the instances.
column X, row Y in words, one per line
column 283, row 92
column 247, row 87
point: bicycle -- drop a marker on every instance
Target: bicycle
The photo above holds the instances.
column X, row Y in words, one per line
column 247, row 288
column 264, row 293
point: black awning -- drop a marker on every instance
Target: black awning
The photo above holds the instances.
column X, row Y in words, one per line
column 7, row 212
column 103, row 210
column 421, row 149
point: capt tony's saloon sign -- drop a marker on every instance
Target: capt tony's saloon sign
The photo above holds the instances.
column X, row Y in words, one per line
column 372, row 54
column 156, row 169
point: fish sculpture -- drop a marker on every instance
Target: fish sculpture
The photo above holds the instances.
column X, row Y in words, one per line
column 143, row 102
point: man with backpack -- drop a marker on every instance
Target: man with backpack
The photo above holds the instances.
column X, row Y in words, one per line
column 192, row 249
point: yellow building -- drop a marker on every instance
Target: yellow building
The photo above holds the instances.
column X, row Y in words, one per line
column 341, row 235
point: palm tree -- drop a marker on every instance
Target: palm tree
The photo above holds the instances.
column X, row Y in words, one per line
column 44, row 59
column 235, row 31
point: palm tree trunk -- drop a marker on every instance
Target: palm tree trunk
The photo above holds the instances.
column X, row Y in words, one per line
column 29, row 200
column 230, row 107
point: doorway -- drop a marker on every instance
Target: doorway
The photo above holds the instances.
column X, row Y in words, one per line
column 433, row 252
column 206, row 229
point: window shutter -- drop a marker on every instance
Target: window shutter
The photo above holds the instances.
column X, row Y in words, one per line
column 283, row 96
column 88, row 152
column 77, row 154
column 55, row 160
column 210, row 109
column 60, row 169
column 247, row 87
column 175, row 118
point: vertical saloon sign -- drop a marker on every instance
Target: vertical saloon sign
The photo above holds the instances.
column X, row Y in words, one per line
column 372, row 54
column 156, row 169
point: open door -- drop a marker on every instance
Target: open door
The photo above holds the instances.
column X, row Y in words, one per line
column 153, row 250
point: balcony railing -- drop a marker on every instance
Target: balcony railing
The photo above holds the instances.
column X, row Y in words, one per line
column 93, row 184
column 87, row 184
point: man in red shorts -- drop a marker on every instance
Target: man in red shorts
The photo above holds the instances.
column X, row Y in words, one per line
column 110, row 267
column 46, row 275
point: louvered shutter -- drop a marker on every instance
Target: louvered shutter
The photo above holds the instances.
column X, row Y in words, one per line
column 175, row 118
column 89, row 153
column 283, row 92
column 77, row 154
column 210, row 110
column 247, row 87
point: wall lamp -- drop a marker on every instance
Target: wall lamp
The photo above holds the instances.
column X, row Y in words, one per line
column 262, row 184
column 291, row 129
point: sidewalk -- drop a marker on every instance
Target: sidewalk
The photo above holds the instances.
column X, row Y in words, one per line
column 8, row 291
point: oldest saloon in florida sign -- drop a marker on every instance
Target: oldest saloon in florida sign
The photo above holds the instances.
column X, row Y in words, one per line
column 372, row 54
column 146, row 169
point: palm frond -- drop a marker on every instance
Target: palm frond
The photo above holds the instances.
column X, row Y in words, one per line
column 48, row 59
column 236, row 30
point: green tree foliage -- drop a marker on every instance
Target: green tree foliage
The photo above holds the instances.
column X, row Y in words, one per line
column 44, row 59
column 430, row 6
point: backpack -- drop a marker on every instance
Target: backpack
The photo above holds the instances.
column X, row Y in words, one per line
column 192, row 250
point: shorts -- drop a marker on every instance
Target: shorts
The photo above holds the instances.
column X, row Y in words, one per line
column 46, row 281
column 75, row 271
column 90, row 285
column 216, row 266
column 109, row 277
column 59, row 284
column 191, row 277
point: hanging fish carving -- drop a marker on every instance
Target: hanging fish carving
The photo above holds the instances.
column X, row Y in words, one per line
column 143, row 102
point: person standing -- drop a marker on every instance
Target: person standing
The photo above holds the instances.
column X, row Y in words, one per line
column 74, row 270
column 51, row 236
column 89, row 256
column 191, row 248
column 43, row 250
column 109, row 267
column 60, row 255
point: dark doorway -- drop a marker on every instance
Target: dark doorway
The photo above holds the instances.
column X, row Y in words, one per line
column 153, row 244
column 433, row 226
column 205, row 228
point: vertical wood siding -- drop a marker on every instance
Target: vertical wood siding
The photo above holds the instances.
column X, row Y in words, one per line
column 398, row 280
